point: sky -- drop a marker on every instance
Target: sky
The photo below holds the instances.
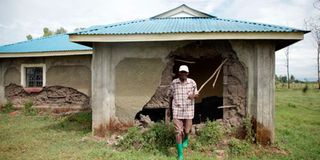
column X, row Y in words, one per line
column 19, row 18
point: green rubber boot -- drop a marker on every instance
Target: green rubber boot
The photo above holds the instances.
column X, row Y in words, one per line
column 185, row 142
column 180, row 151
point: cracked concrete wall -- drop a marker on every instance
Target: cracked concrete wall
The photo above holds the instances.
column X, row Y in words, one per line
column 235, row 92
column 129, row 61
column 259, row 57
column 12, row 75
column 74, row 76
column 66, row 71
column 136, row 81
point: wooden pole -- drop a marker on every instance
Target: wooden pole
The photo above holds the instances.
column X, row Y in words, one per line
column 217, row 70
column 288, row 73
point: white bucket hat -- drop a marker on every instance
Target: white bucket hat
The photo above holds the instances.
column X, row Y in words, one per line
column 184, row 68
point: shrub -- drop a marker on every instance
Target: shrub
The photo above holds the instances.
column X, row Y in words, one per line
column 132, row 140
column 292, row 105
column 81, row 121
column 211, row 133
column 196, row 146
column 28, row 109
column 81, row 117
column 249, row 129
column 159, row 137
column 8, row 107
column 238, row 147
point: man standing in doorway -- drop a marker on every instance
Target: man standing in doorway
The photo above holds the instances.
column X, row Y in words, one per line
column 183, row 91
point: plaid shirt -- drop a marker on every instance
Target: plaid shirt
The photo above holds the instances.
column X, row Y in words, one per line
column 182, row 106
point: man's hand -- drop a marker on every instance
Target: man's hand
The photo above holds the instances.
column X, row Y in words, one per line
column 193, row 96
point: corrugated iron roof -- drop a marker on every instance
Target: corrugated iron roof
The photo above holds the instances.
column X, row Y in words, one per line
column 183, row 25
column 45, row 44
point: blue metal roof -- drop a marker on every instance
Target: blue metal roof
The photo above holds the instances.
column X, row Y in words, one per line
column 183, row 25
column 45, row 44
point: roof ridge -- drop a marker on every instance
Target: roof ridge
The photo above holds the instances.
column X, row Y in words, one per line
column 183, row 18
column 180, row 9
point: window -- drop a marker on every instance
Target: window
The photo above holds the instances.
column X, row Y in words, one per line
column 33, row 75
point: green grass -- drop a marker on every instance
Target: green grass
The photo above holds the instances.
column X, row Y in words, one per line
column 45, row 137
column 298, row 123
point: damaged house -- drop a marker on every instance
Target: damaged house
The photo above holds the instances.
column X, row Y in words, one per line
column 51, row 72
column 134, row 62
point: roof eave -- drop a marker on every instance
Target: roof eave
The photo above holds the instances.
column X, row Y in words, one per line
column 44, row 54
column 188, row 36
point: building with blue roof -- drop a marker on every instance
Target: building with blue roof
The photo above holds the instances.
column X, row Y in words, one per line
column 56, row 45
column 43, row 69
column 134, row 62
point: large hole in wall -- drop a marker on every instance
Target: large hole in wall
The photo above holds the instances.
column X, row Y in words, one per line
column 230, row 90
column 210, row 98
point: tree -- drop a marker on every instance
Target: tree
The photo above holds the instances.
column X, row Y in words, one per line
column 47, row 32
column 292, row 78
column 287, row 65
column 61, row 30
column 314, row 25
column 29, row 37
column 78, row 29
column 283, row 79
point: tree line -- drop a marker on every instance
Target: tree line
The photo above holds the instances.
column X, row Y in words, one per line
column 47, row 32
column 285, row 79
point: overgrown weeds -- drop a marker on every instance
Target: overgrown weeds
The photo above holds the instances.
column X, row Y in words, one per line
column 247, row 124
column 81, row 121
column 7, row 107
column 158, row 138
column 28, row 109
column 238, row 147
column 210, row 134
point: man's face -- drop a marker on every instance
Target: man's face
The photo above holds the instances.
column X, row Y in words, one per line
column 183, row 75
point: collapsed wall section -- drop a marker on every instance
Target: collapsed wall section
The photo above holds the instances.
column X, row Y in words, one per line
column 233, row 84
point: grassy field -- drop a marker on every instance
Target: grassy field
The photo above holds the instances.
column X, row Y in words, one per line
column 46, row 137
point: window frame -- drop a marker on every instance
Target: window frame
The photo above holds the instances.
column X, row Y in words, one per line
column 23, row 74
